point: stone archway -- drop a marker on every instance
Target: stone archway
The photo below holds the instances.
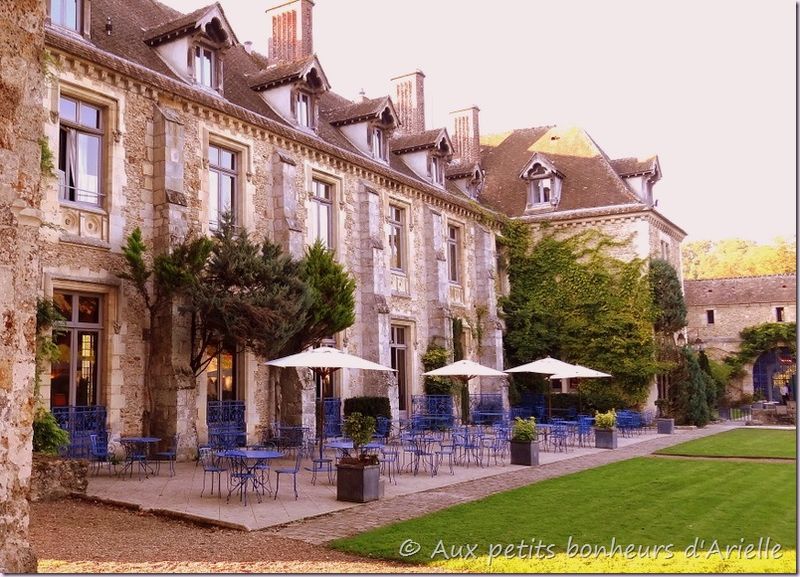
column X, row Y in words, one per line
column 771, row 369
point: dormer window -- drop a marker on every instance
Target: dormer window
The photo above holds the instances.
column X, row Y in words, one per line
column 204, row 67
column 66, row 13
column 378, row 138
column 544, row 183
column 436, row 170
column 303, row 109
column 540, row 191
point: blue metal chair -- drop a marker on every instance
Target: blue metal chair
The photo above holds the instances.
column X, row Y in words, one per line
column 289, row 471
column 207, row 458
column 240, row 476
column 585, row 430
column 100, row 455
column 558, row 436
column 168, row 455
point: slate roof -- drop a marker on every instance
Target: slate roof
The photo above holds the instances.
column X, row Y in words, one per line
column 589, row 179
column 631, row 165
column 281, row 73
column 741, row 290
column 357, row 111
column 421, row 141
column 186, row 21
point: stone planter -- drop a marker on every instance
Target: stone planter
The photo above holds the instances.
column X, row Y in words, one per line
column 357, row 483
column 605, row 438
column 665, row 426
column 524, row 453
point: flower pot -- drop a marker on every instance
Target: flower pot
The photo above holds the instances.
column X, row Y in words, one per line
column 605, row 438
column 665, row 426
column 357, row 483
column 524, row 453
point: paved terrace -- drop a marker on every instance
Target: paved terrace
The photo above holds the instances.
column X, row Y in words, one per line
column 317, row 517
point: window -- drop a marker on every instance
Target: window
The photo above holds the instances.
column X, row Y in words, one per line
column 204, row 66
column 539, row 191
column 436, row 170
column 303, row 110
column 80, row 145
column 779, row 317
column 221, row 378
column 399, row 360
column 378, row 143
column 65, row 13
column 222, row 167
column 397, row 223
column 74, row 377
column 665, row 250
column 710, row 316
column 454, row 253
column 321, row 216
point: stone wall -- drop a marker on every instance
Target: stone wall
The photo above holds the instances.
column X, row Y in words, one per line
column 55, row 478
column 21, row 117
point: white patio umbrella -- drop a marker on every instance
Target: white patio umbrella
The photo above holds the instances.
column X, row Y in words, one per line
column 464, row 370
column 324, row 361
column 579, row 372
column 545, row 366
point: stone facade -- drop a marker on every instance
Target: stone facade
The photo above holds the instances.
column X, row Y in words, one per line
column 21, row 58
column 718, row 310
column 54, row 478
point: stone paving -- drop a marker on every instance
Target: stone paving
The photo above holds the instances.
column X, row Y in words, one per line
column 352, row 521
column 317, row 517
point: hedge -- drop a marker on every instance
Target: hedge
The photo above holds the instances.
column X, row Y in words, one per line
column 372, row 406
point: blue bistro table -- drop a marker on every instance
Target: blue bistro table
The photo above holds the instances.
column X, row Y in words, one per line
column 248, row 466
column 137, row 451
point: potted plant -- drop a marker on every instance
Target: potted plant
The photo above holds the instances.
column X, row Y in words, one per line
column 524, row 448
column 665, row 425
column 605, row 432
column 357, row 477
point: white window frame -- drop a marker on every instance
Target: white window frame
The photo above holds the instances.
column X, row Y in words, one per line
column 303, row 107
column 63, row 5
column 200, row 52
column 84, row 197
column 454, row 253
column 378, row 143
column 399, row 227
column 536, row 196
column 220, row 170
column 314, row 212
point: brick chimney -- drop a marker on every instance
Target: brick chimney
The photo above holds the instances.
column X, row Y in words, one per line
column 291, row 33
column 466, row 135
column 409, row 102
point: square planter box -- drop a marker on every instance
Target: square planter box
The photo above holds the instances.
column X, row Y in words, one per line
column 605, row 438
column 357, row 483
column 665, row 426
column 524, row 453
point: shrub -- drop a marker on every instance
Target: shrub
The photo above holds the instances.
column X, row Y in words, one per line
column 360, row 428
column 48, row 437
column 371, row 406
column 605, row 420
column 523, row 430
column 435, row 358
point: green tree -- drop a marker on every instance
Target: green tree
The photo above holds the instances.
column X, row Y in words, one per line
column 668, row 302
column 571, row 299
column 736, row 257
column 332, row 302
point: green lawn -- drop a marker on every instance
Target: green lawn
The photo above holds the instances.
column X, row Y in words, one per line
column 740, row 443
column 643, row 501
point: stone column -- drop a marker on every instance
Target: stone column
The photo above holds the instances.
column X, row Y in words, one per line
column 21, row 127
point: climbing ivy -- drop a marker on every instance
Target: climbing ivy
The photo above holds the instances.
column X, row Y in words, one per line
column 435, row 358
column 571, row 299
column 759, row 339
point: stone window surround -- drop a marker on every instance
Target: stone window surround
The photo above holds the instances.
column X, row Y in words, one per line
column 337, row 203
column 109, row 110
column 461, row 226
column 244, row 174
column 407, row 226
column 110, row 326
column 411, row 356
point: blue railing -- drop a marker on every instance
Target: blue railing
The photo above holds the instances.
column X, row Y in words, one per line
column 432, row 412
column 486, row 408
column 225, row 419
column 333, row 416
column 81, row 422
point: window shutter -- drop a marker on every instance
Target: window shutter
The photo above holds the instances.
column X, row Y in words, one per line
column 87, row 18
column 293, row 104
column 370, row 131
column 429, row 165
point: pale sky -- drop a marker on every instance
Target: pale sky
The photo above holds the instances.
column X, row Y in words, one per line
column 708, row 85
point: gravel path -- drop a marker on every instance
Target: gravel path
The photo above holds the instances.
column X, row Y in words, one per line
column 81, row 536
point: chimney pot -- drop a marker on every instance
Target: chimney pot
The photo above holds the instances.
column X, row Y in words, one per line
column 248, row 46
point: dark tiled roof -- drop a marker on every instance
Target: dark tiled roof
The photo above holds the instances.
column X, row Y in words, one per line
column 741, row 291
column 186, row 21
column 631, row 165
column 421, row 141
column 281, row 73
column 460, row 169
column 358, row 111
column 589, row 180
